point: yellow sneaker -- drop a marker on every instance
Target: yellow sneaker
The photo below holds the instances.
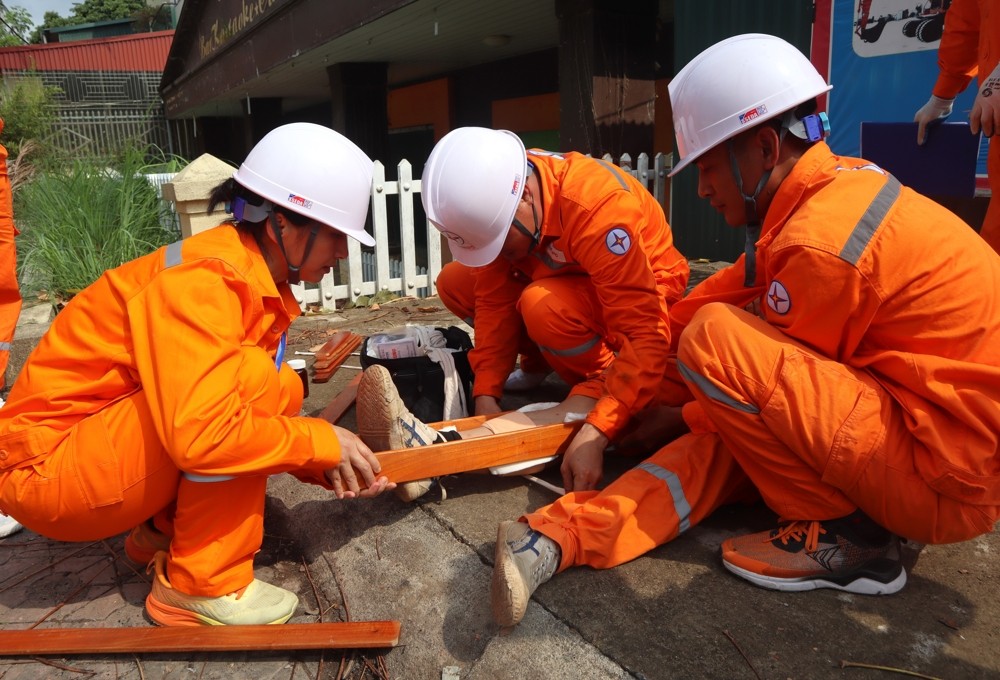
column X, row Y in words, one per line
column 144, row 541
column 255, row 604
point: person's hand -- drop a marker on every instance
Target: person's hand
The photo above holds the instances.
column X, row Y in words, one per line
column 583, row 463
column 985, row 114
column 356, row 457
column 934, row 110
column 486, row 405
column 650, row 430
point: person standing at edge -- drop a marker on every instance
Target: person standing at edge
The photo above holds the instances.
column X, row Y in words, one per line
column 969, row 46
column 10, row 295
column 568, row 259
column 846, row 369
column 159, row 400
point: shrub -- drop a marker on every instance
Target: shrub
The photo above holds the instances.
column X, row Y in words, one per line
column 26, row 106
column 80, row 221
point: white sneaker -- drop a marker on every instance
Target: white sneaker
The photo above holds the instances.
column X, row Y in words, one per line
column 524, row 559
column 9, row 525
column 519, row 381
column 385, row 424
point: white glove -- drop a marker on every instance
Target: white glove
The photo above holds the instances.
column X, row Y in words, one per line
column 986, row 109
column 935, row 109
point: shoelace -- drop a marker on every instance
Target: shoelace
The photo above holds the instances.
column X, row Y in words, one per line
column 796, row 530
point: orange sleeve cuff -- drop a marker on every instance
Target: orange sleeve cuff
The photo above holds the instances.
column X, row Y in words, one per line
column 949, row 86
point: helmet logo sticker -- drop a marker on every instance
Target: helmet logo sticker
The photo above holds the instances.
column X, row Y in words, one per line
column 300, row 201
column 752, row 114
column 516, row 185
column 778, row 298
column 618, row 241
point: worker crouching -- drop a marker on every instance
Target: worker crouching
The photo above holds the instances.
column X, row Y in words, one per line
column 846, row 369
column 159, row 400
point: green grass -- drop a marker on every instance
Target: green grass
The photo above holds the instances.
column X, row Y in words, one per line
column 77, row 222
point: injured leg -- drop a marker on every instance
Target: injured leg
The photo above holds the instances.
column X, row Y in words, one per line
column 384, row 424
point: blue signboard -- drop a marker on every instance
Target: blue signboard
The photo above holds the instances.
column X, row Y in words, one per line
column 883, row 65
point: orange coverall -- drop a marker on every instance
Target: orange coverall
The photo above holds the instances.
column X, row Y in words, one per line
column 10, row 293
column 861, row 370
column 155, row 392
column 593, row 295
column 970, row 46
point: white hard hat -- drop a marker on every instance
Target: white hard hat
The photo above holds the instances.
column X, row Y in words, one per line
column 470, row 188
column 314, row 171
column 734, row 85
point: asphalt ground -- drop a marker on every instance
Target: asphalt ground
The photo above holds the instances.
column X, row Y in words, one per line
column 673, row 613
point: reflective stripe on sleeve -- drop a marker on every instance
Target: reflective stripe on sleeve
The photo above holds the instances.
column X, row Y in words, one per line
column 870, row 221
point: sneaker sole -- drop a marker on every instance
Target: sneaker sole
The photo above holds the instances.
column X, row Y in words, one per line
column 861, row 585
column 508, row 599
column 166, row 615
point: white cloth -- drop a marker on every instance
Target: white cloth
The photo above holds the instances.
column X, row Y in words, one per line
column 8, row 525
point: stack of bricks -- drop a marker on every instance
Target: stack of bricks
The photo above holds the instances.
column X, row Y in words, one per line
column 332, row 354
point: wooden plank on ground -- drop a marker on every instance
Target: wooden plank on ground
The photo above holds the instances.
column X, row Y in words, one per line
column 338, row 406
column 65, row 641
column 407, row 465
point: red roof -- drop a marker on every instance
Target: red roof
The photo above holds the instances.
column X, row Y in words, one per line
column 135, row 52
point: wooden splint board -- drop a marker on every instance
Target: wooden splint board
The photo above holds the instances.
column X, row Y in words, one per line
column 64, row 641
column 407, row 465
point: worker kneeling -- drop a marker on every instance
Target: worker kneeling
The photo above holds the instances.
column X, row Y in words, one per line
column 159, row 400
column 565, row 259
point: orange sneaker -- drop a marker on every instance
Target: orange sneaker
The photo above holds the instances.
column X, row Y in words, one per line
column 254, row 604
column 144, row 541
column 852, row 554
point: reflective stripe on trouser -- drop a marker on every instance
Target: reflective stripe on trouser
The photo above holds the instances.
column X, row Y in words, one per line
column 456, row 288
column 564, row 318
column 111, row 473
column 990, row 230
column 817, row 438
column 647, row 506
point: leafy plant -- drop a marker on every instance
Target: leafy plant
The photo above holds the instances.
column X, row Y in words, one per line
column 79, row 222
column 15, row 27
column 26, row 106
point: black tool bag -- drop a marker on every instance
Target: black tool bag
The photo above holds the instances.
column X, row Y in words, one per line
column 420, row 381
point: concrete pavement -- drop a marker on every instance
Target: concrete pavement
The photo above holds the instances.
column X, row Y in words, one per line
column 674, row 613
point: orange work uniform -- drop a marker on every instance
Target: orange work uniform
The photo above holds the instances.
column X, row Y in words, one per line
column 593, row 295
column 861, row 369
column 970, row 46
column 156, row 390
column 10, row 293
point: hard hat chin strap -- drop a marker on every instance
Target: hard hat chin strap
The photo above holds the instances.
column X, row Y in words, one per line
column 536, row 235
column 293, row 270
column 750, row 205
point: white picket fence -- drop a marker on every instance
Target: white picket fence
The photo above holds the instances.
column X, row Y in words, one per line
column 370, row 270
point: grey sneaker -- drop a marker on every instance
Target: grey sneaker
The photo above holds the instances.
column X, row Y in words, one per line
column 524, row 559
column 385, row 424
